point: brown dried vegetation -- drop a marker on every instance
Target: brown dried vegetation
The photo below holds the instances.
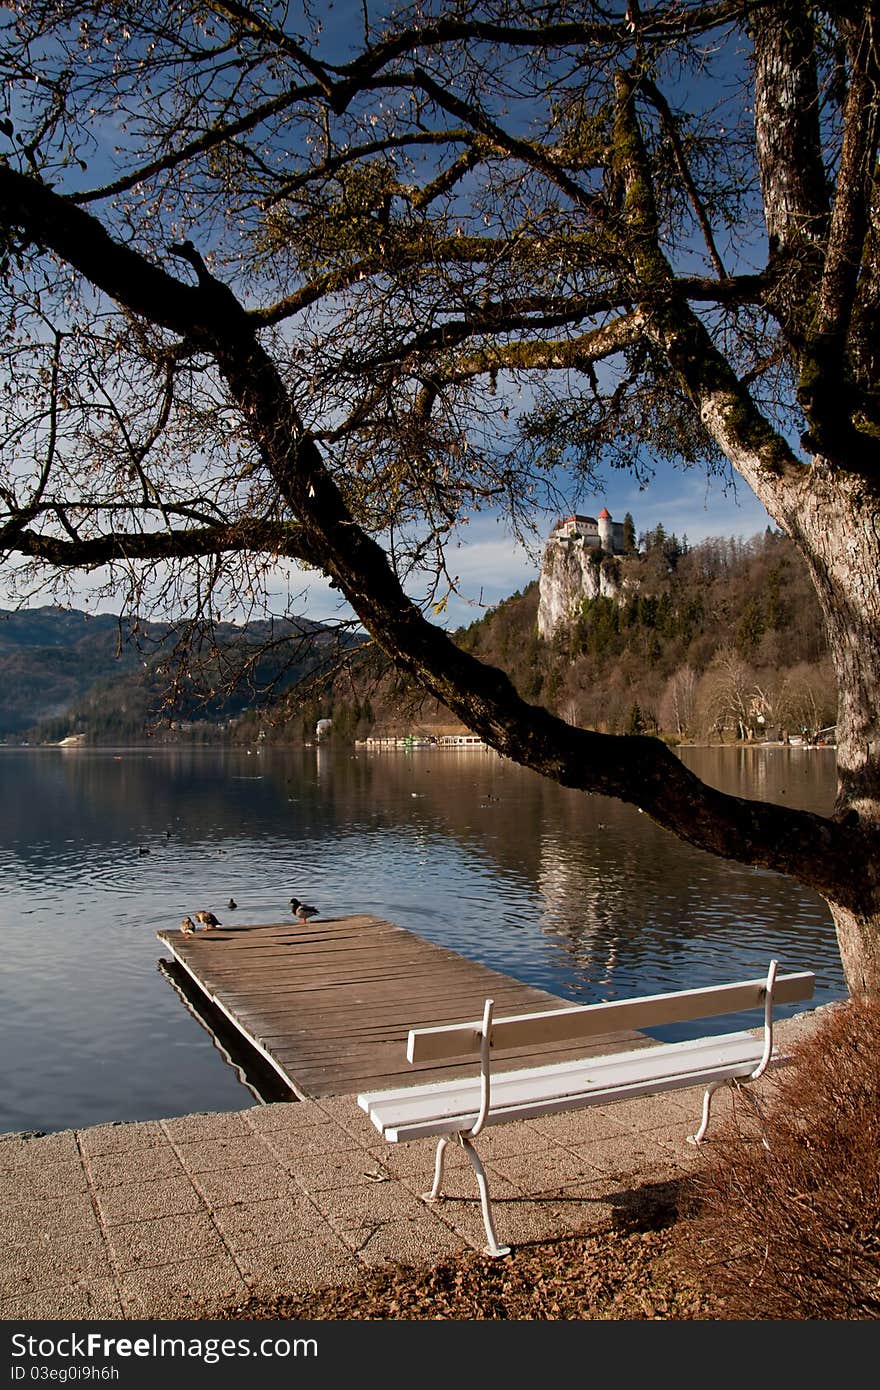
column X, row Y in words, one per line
column 621, row 1273
column 792, row 1231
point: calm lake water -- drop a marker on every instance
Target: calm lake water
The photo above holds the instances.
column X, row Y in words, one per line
column 579, row 895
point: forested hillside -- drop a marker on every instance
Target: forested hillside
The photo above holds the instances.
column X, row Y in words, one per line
column 723, row 638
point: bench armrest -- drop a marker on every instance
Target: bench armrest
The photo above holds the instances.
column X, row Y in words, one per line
column 768, row 1023
column 485, row 1068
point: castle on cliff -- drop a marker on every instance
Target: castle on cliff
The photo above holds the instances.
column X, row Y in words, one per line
column 603, row 532
column 573, row 571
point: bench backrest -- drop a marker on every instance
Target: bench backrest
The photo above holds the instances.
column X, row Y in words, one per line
column 588, row 1020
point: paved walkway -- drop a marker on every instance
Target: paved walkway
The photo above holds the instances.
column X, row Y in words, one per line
column 177, row 1217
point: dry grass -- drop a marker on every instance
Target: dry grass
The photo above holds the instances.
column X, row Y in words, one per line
column 793, row 1231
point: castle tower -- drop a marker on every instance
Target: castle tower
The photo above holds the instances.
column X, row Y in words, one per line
column 606, row 531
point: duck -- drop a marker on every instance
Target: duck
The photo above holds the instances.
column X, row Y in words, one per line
column 232, row 904
column 302, row 910
column 208, row 920
column 187, row 926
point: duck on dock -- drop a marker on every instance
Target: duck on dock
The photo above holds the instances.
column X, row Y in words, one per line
column 302, row 910
column 208, row 920
column 187, row 926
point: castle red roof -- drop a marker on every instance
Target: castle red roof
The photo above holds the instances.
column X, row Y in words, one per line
column 604, row 515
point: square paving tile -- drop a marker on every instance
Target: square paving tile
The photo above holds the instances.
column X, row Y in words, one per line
column 314, row 1261
column 321, row 1172
column 117, row 1138
column 656, row 1112
column 141, row 1201
column 577, row 1126
column 285, row 1115
column 256, row 1183
column 194, row 1128
column 544, row 1172
column 43, row 1262
column 31, row 1219
column 501, row 1141
column 220, row 1154
column 345, row 1111
column 36, row 1181
column 421, row 1241
column 627, row 1153
column 165, row 1240
column 18, row 1149
column 306, row 1140
column 183, row 1290
column 95, row 1300
column 275, row 1221
column 407, row 1160
column 369, row 1201
column 461, row 1184
column 134, row 1165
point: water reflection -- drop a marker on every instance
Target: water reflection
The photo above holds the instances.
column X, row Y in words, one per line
column 579, row 895
column 798, row 776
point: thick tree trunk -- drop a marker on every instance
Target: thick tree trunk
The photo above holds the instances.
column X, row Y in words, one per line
column 858, row 936
column 842, row 549
column 836, row 525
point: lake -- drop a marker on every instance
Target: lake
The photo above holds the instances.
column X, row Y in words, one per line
column 583, row 896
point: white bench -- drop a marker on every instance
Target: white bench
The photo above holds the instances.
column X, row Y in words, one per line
column 463, row 1107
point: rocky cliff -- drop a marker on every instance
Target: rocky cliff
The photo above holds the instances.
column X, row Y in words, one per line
column 573, row 571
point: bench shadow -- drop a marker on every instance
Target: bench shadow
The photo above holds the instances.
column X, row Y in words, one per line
column 652, row 1206
column 649, row 1206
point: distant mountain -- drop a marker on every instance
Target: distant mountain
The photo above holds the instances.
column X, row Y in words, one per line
column 63, row 671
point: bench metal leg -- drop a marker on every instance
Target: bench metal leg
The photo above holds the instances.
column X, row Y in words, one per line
column 438, row 1171
column 704, row 1123
column 742, row 1087
column 493, row 1248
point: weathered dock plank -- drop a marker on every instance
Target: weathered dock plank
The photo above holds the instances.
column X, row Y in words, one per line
column 329, row 1004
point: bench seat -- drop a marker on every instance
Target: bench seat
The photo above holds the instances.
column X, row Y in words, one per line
column 445, row 1107
column 462, row 1107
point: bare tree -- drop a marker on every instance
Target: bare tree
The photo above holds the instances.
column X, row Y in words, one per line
column 270, row 293
column 806, row 700
column 726, row 696
column 678, row 702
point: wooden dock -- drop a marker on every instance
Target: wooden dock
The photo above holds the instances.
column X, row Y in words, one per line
column 329, row 1004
